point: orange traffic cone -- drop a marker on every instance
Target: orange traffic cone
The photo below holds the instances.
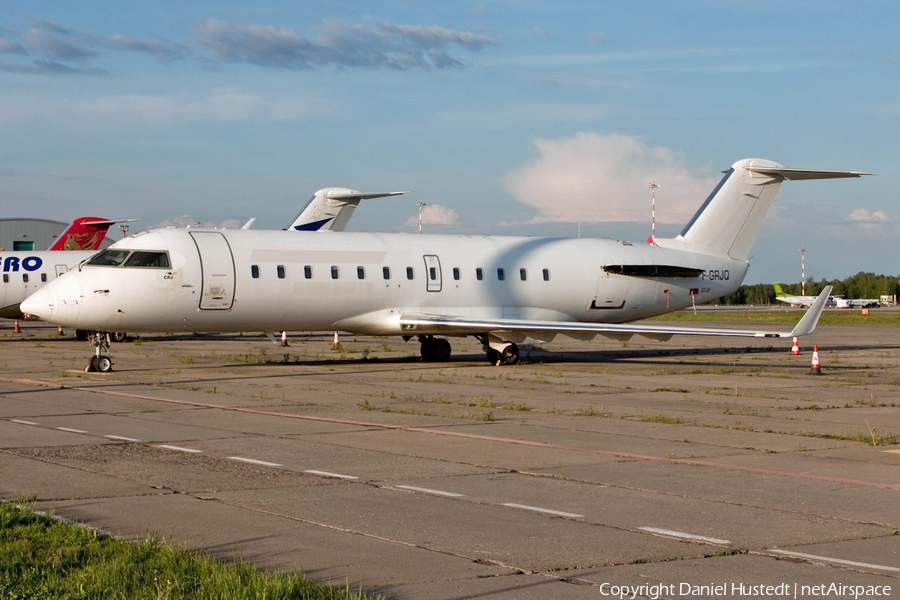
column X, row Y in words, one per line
column 336, row 342
column 284, row 341
column 815, row 369
column 17, row 329
column 795, row 349
column 59, row 330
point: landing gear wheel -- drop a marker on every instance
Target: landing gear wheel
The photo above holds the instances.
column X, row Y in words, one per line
column 92, row 366
column 104, row 364
column 441, row 349
column 434, row 350
column 119, row 336
column 494, row 357
column 511, row 355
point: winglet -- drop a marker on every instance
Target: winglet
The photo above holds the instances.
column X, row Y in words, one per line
column 808, row 323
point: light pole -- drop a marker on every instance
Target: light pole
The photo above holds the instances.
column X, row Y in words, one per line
column 421, row 204
column 652, row 239
column 802, row 271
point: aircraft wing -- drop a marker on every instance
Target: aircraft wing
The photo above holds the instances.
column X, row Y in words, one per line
column 450, row 325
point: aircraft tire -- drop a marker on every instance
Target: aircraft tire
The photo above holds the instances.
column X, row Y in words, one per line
column 510, row 355
column 494, row 357
column 118, row 336
column 92, row 366
column 441, row 349
column 104, row 364
column 428, row 350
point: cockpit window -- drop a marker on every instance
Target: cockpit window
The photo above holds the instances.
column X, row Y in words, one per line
column 130, row 258
column 142, row 258
column 109, row 258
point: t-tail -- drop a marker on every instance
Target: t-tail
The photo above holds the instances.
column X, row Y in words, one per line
column 729, row 221
column 84, row 233
column 330, row 209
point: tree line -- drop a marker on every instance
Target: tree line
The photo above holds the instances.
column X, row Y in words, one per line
column 861, row 285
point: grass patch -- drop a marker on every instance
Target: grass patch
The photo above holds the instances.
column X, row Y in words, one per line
column 784, row 315
column 41, row 557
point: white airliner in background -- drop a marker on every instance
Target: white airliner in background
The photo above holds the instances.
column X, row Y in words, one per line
column 804, row 301
column 501, row 290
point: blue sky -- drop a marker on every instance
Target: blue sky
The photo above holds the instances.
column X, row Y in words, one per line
column 504, row 117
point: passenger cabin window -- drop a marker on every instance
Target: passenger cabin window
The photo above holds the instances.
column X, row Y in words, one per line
column 522, row 274
column 254, row 271
column 360, row 272
column 479, row 274
column 280, row 269
column 307, row 272
column 501, row 274
column 141, row 258
column 432, row 273
column 44, row 277
column 456, row 273
column 335, row 273
column 386, row 271
column 5, row 278
column 25, row 277
column 109, row 258
column 546, row 274
column 410, row 273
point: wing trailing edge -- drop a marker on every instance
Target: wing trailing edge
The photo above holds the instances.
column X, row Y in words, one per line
column 450, row 325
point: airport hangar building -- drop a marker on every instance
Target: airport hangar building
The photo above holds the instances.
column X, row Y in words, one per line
column 32, row 235
column 29, row 234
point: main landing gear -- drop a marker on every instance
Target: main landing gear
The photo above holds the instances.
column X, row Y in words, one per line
column 100, row 341
column 434, row 349
column 499, row 352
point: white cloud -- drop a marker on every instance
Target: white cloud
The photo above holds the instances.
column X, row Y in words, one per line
column 434, row 214
column 862, row 214
column 596, row 178
column 373, row 45
column 217, row 107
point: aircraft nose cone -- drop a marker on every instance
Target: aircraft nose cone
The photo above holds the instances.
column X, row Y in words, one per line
column 40, row 304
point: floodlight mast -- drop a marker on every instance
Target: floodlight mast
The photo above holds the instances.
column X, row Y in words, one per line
column 652, row 240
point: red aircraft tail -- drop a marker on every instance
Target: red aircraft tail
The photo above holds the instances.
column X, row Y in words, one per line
column 85, row 233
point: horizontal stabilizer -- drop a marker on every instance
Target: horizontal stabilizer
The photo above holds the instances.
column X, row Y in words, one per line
column 335, row 195
column 801, row 174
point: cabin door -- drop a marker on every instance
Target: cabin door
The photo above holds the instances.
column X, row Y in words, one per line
column 432, row 273
column 217, row 266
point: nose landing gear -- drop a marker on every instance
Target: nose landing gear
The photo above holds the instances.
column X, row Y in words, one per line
column 100, row 341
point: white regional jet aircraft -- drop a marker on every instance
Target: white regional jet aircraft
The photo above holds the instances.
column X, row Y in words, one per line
column 501, row 290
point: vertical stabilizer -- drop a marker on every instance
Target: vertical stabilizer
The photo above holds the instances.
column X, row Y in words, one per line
column 729, row 221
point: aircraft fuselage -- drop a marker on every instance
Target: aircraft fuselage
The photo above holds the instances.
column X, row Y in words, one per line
column 230, row 280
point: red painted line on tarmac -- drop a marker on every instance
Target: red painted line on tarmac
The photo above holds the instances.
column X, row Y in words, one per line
column 488, row 438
